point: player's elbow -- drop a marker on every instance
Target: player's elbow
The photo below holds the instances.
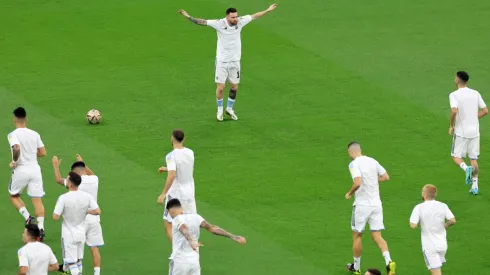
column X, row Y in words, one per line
column 485, row 111
column 23, row 270
column 16, row 149
column 413, row 225
column 385, row 177
column 41, row 152
column 53, row 267
column 453, row 220
column 56, row 217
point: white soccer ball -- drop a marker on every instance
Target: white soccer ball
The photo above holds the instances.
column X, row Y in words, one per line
column 93, row 116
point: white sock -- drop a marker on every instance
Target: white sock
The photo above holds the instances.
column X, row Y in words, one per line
column 23, row 211
column 386, row 254
column 40, row 222
column 463, row 166
column 80, row 267
column 74, row 269
column 475, row 183
column 96, row 270
column 357, row 263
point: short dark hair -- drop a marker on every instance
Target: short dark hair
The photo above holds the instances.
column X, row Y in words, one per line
column 352, row 143
column 374, row 271
column 173, row 203
column 33, row 230
column 464, row 76
column 178, row 135
column 75, row 178
column 230, row 10
column 78, row 164
column 20, row 112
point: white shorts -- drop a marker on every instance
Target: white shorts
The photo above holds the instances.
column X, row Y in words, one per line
column 27, row 176
column 93, row 234
column 72, row 250
column 184, row 268
column 434, row 259
column 227, row 71
column 367, row 214
column 463, row 147
column 188, row 205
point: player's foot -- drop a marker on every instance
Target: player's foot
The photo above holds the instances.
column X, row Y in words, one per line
column 219, row 115
column 42, row 235
column 350, row 267
column 469, row 172
column 474, row 191
column 231, row 113
column 30, row 220
column 390, row 268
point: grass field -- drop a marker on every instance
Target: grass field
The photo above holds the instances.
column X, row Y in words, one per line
column 316, row 74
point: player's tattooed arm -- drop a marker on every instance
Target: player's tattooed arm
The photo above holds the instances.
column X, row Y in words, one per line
column 15, row 152
column 185, row 231
column 221, row 232
column 450, row 222
column 197, row 21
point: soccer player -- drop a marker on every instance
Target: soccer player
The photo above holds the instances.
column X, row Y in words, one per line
column 434, row 217
column 74, row 206
column 228, row 53
column 90, row 185
column 373, row 271
column 180, row 179
column 26, row 146
column 367, row 173
column 185, row 239
column 35, row 257
column 467, row 107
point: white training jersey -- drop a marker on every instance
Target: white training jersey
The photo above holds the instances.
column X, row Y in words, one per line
column 369, row 170
column 37, row 257
column 182, row 162
column 90, row 184
column 468, row 102
column 74, row 206
column 182, row 251
column 432, row 215
column 229, row 48
column 29, row 142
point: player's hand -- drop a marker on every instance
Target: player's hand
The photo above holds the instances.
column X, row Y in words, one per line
column 161, row 199
column 347, row 196
column 195, row 245
column 162, row 169
column 79, row 158
column 184, row 13
column 451, row 131
column 13, row 164
column 239, row 239
column 56, row 161
column 272, row 7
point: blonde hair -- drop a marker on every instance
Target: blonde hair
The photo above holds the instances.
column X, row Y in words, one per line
column 430, row 191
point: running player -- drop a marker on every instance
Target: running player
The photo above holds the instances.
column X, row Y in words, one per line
column 90, row 185
column 185, row 239
column 74, row 206
column 367, row 173
column 467, row 107
column 228, row 53
column 35, row 257
column 180, row 179
column 434, row 217
column 26, row 146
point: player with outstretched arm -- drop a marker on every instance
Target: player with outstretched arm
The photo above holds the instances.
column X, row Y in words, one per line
column 228, row 53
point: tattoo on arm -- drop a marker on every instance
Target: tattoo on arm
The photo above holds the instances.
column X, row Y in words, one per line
column 15, row 152
column 185, row 231
column 215, row 230
column 198, row 21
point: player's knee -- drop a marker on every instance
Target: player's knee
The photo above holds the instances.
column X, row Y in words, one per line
column 220, row 88
column 233, row 93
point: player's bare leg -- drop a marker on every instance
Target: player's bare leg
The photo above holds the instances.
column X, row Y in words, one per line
column 436, row 271
column 220, row 87
column 231, row 100
column 21, row 207
column 476, row 170
column 168, row 230
column 39, row 207
column 96, row 259
column 356, row 251
column 468, row 169
column 383, row 246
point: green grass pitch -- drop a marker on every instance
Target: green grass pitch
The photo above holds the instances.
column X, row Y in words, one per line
column 316, row 74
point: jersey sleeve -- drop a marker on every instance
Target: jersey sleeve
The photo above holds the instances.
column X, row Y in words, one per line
column 178, row 222
column 355, row 172
column 23, row 261
column 244, row 20
column 13, row 140
column 93, row 204
column 60, row 205
column 380, row 169
column 453, row 101
column 200, row 219
column 40, row 143
column 52, row 257
column 170, row 159
column 449, row 214
column 415, row 217
column 481, row 103
column 213, row 24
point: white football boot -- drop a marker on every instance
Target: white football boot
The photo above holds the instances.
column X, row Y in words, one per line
column 231, row 113
column 219, row 115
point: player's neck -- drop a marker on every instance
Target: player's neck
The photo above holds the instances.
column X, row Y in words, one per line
column 461, row 86
column 73, row 189
column 178, row 146
column 20, row 125
column 31, row 241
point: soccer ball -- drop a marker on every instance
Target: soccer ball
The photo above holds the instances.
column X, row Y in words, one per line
column 93, row 116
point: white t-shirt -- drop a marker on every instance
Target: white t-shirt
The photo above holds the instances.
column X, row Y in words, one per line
column 432, row 215
column 182, row 162
column 229, row 46
column 74, row 206
column 37, row 257
column 369, row 170
column 90, row 185
column 468, row 102
column 182, row 251
column 29, row 142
